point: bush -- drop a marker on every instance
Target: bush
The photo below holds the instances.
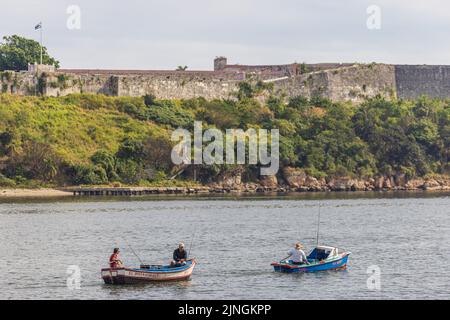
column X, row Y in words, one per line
column 36, row 160
column 130, row 171
column 149, row 100
column 157, row 153
column 131, row 148
column 298, row 102
column 87, row 174
column 166, row 112
column 107, row 161
column 5, row 142
column 6, row 182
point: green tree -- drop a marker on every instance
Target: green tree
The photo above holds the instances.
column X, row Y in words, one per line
column 131, row 148
column 157, row 152
column 107, row 161
column 298, row 102
column 246, row 91
column 81, row 174
column 149, row 100
column 276, row 105
column 16, row 52
column 249, row 90
column 5, row 141
column 130, row 171
column 37, row 160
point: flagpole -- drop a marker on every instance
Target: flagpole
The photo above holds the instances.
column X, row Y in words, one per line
column 41, row 42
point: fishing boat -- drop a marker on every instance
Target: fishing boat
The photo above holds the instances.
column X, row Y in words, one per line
column 321, row 258
column 148, row 273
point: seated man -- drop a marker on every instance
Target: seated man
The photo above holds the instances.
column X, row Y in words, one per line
column 297, row 255
column 179, row 256
column 114, row 261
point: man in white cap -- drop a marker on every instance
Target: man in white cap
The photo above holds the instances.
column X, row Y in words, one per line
column 179, row 256
column 297, row 255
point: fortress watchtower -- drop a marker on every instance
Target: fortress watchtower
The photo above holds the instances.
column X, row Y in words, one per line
column 220, row 63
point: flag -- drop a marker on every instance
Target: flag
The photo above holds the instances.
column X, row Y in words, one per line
column 38, row 26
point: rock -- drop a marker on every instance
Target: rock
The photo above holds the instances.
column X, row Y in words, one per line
column 359, row 185
column 379, row 182
column 346, row 184
column 400, row 179
column 415, row 184
column 444, row 183
column 431, row 184
column 230, row 180
column 295, row 178
column 323, row 184
column 338, row 184
column 387, row 184
column 203, row 190
column 269, row 181
column 313, row 184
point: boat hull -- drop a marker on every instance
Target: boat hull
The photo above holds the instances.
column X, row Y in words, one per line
column 334, row 264
column 138, row 275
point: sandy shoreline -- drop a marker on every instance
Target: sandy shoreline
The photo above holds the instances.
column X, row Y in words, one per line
column 33, row 193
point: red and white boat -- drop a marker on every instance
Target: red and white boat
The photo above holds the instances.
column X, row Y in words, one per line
column 148, row 273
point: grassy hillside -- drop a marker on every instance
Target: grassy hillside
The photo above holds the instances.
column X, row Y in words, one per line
column 56, row 134
column 72, row 128
column 94, row 139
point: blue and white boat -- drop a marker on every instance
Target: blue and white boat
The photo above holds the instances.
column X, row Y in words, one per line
column 321, row 258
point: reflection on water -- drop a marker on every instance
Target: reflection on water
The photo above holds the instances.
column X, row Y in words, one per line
column 236, row 239
column 143, row 288
column 239, row 196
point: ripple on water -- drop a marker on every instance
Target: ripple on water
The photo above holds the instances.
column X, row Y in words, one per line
column 235, row 241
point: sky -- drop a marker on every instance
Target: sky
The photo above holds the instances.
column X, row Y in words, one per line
column 150, row 34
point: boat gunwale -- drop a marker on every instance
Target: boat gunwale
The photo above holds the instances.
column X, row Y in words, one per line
column 168, row 271
column 307, row 266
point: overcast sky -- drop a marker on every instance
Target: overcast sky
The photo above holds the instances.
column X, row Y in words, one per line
column 157, row 34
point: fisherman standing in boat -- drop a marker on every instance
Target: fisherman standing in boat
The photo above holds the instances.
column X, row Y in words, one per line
column 114, row 261
column 297, row 255
column 179, row 256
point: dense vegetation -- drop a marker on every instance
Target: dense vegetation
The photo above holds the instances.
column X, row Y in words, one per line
column 94, row 139
column 16, row 52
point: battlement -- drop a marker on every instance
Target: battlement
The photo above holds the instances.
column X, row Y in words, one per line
column 40, row 68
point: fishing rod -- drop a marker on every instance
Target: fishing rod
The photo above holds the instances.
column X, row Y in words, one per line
column 192, row 241
column 318, row 228
column 140, row 260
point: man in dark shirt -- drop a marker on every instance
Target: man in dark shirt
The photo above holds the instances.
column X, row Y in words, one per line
column 179, row 256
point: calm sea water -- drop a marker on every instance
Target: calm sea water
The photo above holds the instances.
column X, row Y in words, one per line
column 406, row 235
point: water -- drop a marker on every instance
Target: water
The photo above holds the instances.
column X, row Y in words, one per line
column 407, row 235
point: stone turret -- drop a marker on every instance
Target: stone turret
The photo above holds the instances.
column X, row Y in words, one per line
column 220, row 63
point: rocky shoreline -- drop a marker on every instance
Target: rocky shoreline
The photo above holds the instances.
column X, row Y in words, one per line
column 296, row 180
column 290, row 180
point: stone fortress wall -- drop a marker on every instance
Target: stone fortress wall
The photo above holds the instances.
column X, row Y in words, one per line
column 339, row 82
column 414, row 81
